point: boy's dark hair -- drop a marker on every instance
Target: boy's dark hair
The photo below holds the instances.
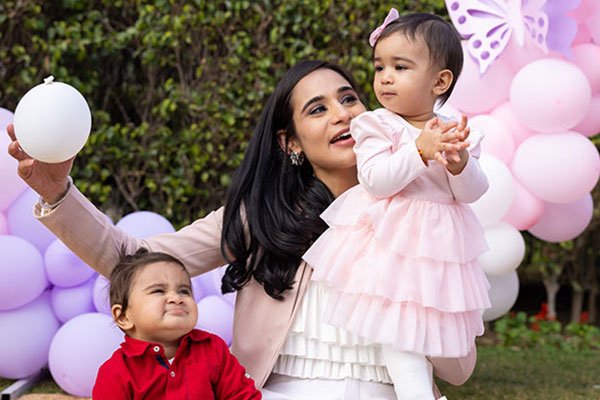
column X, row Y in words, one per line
column 122, row 276
column 441, row 38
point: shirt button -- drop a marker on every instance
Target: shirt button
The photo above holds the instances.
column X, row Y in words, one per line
column 156, row 349
column 172, row 374
column 247, row 375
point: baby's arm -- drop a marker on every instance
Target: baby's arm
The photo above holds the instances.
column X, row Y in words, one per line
column 467, row 180
column 109, row 384
column 233, row 383
column 384, row 170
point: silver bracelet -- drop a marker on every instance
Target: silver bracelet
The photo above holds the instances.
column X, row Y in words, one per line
column 47, row 207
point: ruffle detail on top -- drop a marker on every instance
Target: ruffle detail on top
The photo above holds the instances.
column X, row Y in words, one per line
column 314, row 349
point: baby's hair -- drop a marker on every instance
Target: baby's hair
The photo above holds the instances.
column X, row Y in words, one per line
column 123, row 275
column 441, row 38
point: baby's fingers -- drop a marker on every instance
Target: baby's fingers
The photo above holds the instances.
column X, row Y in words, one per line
column 437, row 156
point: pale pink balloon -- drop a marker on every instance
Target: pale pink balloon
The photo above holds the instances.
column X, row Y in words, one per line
column 585, row 10
column 560, row 222
column 516, row 57
column 476, row 93
column 495, row 203
column 525, row 210
column 3, row 225
column 583, row 34
column 498, row 141
column 558, row 168
column 550, row 95
column 590, row 125
column 506, row 113
column 593, row 25
column 587, row 58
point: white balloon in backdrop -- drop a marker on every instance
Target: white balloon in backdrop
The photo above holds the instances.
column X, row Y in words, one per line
column 506, row 249
column 504, row 290
column 52, row 121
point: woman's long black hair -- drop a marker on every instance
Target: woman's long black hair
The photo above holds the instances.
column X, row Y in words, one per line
column 272, row 209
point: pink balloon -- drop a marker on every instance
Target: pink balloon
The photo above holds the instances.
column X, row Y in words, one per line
column 70, row 302
column 475, row 93
column 593, row 25
column 506, row 113
column 590, row 125
column 587, row 58
column 585, row 9
column 583, row 34
column 215, row 315
column 498, row 141
column 3, row 225
column 25, row 338
column 560, row 222
column 516, row 57
column 559, row 168
column 550, row 95
column 525, row 210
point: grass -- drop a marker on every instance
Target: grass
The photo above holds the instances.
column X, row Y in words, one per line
column 505, row 373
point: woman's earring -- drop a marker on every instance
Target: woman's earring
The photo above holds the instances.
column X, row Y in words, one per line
column 297, row 158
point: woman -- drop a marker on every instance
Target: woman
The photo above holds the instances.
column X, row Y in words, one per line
column 299, row 158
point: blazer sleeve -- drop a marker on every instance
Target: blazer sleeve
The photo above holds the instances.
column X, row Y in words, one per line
column 233, row 382
column 90, row 235
column 455, row 371
column 383, row 169
column 471, row 183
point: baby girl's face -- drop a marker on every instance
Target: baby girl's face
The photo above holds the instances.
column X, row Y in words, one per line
column 404, row 76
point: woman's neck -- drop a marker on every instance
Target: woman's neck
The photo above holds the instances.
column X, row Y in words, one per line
column 338, row 181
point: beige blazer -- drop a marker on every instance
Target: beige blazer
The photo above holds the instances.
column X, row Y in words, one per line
column 260, row 323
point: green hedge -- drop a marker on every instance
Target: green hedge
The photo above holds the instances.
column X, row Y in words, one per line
column 175, row 87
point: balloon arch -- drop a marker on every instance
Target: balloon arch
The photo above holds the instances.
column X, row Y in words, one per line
column 533, row 88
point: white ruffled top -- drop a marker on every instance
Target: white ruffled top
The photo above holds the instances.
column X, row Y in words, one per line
column 314, row 349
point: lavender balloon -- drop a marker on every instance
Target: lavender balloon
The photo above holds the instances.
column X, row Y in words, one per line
column 3, row 225
column 70, row 302
column 22, row 223
column 101, row 292
column 143, row 224
column 215, row 315
column 22, row 275
column 25, row 338
column 79, row 348
column 63, row 267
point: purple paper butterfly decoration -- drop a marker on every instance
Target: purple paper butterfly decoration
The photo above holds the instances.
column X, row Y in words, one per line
column 489, row 25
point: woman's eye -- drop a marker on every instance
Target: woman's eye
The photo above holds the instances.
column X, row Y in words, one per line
column 349, row 99
column 317, row 110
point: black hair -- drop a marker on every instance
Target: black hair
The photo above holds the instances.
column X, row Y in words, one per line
column 272, row 210
column 441, row 38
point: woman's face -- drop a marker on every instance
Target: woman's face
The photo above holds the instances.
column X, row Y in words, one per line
column 323, row 104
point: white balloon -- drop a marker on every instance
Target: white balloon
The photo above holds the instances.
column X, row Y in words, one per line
column 504, row 290
column 496, row 202
column 506, row 249
column 52, row 121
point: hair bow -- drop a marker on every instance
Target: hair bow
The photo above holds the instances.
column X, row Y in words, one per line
column 392, row 16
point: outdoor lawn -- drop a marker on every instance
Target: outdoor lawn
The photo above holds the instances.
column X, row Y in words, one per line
column 505, row 373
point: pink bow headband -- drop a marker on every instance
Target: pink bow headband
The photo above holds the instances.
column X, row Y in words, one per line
column 391, row 17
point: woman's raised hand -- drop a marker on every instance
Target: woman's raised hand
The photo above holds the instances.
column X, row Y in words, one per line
column 48, row 180
column 438, row 137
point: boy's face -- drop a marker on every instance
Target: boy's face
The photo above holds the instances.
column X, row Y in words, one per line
column 405, row 80
column 161, row 304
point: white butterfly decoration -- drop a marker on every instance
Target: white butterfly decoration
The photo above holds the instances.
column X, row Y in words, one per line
column 489, row 24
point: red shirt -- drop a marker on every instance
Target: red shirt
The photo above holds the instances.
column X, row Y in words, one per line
column 203, row 368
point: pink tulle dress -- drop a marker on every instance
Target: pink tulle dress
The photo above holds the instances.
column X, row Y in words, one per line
column 400, row 254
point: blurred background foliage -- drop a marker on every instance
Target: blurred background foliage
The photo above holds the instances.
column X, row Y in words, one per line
column 175, row 88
